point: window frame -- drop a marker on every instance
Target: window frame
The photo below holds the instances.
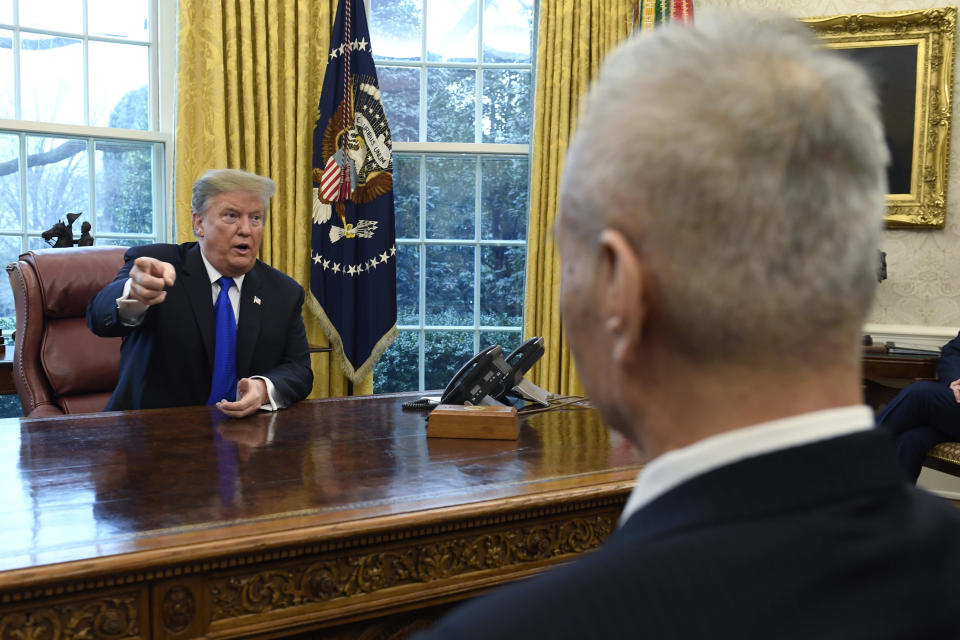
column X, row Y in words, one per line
column 478, row 150
column 161, row 113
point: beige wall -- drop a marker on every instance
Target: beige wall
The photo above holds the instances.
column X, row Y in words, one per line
column 919, row 303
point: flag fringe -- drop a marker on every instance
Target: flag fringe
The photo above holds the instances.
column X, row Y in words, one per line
column 357, row 375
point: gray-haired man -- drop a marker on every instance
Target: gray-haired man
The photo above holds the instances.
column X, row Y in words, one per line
column 722, row 204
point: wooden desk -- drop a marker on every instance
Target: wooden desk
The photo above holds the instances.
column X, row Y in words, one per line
column 904, row 367
column 333, row 513
column 885, row 374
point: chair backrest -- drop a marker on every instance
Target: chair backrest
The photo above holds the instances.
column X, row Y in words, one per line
column 59, row 366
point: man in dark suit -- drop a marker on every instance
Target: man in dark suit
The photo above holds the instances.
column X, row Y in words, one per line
column 721, row 211
column 162, row 304
column 926, row 413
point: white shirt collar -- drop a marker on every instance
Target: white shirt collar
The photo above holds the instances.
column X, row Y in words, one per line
column 679, row 465
column 216, row 275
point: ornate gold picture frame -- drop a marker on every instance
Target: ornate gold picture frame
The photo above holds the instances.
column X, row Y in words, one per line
column 910, row 55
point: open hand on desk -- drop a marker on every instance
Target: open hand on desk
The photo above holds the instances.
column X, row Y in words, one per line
column 148, row 277
column 251, row 394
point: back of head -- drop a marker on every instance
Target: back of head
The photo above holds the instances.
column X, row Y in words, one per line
column 217, row 181
column 747, row 167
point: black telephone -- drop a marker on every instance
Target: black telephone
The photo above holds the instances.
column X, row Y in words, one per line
column 490, row 374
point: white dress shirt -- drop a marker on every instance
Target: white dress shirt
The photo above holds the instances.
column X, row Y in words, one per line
column 679, row 465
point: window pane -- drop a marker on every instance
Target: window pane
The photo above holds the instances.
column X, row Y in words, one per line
column 118, row 18
column 7, row 109
column 396, row 27
column 507, row 30
column 450, row 204
column 36, row 242
column 397, row 368
column 444, row 352
column 506, row 106
column 400, row 88
column 508, row 340
column 6, row 11
column 501, row 285
column 449, row 299
column 406, row 195
column 10, row 404
column 408, row 284
column 503, row 198
column 119, row 74
column 124, row 179
column 123, row 242
column 10, row 182
column 54, row 15
column 451, row 30
column 57, row 180
column 451, row 96
column 51, row 74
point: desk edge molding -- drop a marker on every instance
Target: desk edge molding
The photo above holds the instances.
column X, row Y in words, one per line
column 199, row 557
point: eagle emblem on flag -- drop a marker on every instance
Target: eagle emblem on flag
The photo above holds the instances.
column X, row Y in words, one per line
column 359, row 164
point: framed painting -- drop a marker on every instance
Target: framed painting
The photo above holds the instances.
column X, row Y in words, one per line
column 910, row 55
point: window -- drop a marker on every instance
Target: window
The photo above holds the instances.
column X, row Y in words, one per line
column 82, row 130
column 457, row 84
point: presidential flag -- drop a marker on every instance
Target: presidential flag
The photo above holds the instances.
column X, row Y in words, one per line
column 353, row 275
column 649, row 14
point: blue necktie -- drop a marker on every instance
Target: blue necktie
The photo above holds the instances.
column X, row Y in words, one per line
column 224, row 384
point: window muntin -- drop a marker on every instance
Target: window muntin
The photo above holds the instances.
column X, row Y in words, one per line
column 79, row 125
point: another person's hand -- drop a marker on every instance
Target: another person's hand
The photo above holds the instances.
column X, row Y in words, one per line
column 955, row 387
column 251, row 394
column 148, row 277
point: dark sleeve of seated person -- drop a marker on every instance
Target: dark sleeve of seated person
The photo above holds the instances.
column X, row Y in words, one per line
column 926, row 413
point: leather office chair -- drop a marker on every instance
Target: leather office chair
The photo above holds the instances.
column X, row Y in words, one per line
column 59, row 366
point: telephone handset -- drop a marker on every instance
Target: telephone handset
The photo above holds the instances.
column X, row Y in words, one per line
column 523, row 357
column 481, row 376
column 490, row 374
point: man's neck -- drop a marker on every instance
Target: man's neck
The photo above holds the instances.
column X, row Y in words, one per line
column 214, row 274
column 696, row 402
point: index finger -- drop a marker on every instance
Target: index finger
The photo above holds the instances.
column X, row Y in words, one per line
column 168, row 273
column 157, row 269
column 148, row 265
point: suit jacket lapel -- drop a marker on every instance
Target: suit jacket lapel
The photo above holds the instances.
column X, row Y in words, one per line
column 197, row 284
column 249, row 324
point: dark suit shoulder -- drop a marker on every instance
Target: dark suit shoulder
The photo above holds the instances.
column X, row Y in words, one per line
column 867, row 555
column 895, row 578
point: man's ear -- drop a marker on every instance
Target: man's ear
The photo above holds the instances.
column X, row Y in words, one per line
column 198, row 225
column 624, row 311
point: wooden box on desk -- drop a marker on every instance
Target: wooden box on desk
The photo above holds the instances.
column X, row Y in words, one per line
column 478, row 422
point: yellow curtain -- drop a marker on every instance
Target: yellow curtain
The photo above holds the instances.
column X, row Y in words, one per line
column 574, row 35
column 248, row 84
